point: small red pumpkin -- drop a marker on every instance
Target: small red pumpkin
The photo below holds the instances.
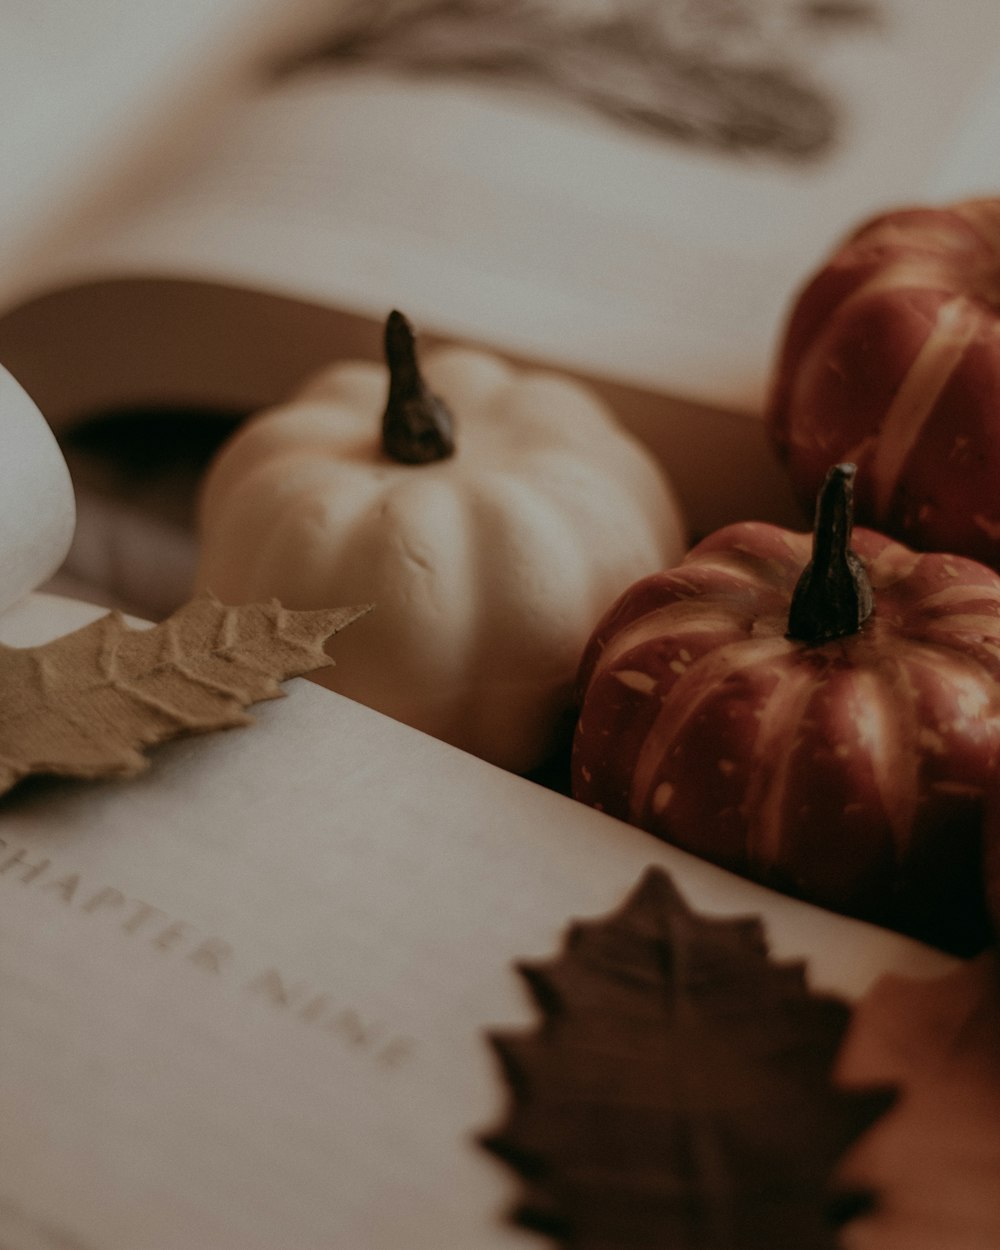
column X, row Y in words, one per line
column 891, row 359
column 829, row 732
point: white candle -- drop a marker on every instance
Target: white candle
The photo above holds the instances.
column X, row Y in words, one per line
column 37, row 509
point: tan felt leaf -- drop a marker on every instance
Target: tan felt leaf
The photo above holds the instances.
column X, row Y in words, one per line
column 85, row 705
column 935, row 1157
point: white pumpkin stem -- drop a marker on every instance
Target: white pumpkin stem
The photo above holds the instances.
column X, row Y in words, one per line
column 833, row 597
column 417, row 427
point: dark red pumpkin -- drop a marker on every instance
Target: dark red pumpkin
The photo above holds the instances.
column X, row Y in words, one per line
column 846, row 765
column 891, row 360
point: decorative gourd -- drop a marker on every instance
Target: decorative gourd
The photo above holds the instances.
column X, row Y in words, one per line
column 831, row 736
column 488, row 553
column 891, row 360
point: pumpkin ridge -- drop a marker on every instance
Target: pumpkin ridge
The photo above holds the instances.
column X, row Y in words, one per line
column 904, row 275
column 682, row 701
column 989, row 669
column 914, row 402
column 739, row 584
column 955, row 617
column 937, row 655
column 490, row 521
column 305, row 516
column 686, row 616
column 896, row 770
column 740, row 600
column 985, row 654
column 395, row 575
column 568, row 486
column 948, row 603
column 909, row 691
column 802, row 443
column 470, row 376
column 952, row 598
column 773, row 753
column 888, row 565
column 746, row 565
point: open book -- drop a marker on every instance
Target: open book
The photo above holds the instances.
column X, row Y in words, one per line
column 201, row 204
column 243, row 998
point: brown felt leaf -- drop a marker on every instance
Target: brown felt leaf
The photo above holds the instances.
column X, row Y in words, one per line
column 85, row 705
column 936, row 1156
column 678, row 1092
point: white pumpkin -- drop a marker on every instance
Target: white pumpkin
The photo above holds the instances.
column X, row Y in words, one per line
column 488, row 564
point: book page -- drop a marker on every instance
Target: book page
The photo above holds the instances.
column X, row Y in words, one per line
column 37, row 511
column 95, row 95
column 630, row 191
column 244, row 996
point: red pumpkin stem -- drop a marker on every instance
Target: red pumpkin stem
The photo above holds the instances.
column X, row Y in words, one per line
column 417, row 427
column 833, row 597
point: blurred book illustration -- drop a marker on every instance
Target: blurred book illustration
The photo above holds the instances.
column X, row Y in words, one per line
column 725, row 75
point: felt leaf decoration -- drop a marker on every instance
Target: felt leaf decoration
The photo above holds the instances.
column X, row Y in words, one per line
column 936, row 1156
column 85, row 705
column 678, row 1092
